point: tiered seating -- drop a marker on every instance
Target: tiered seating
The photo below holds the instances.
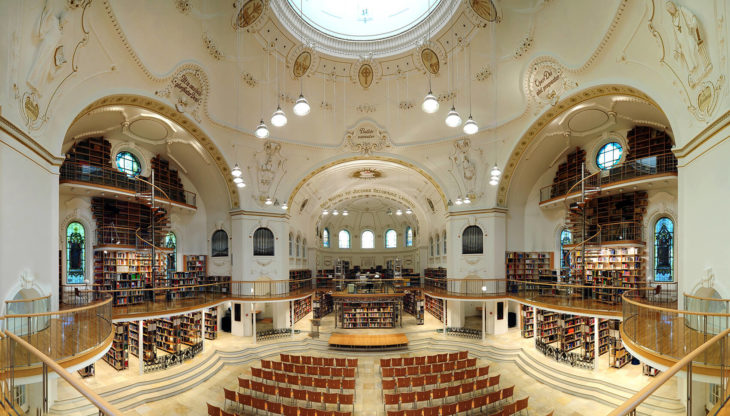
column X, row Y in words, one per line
column 444, row 384
column 273, row 408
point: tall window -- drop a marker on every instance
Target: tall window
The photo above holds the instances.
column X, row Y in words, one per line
column 171, row 242
column 291, row 245
column 409, row 237
column 430, row 244
column 75, row 253
column 326, row 238
column 299, row 244
column 263, row 242
column 391, row 239
column 128, row 163
column 444, row 242
column 472, row 240
column 609, row 155
column 438, row 245
column 664, row 250
column 343, row 239
column 566, row 238
column 304, row 248
column 367, row 239
column 219, row 244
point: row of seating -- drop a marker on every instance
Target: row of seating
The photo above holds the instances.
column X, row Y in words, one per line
column 467, row 373
column 475, row 405
column 429, row 368
column 325, row 361
column 296, row 395
column 273, row 408
column 425, row 359
column 305, row 381
column 445, row 393
column 311, row 370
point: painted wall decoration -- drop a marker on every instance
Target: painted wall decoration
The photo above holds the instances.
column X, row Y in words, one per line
column 366, row 137
column 546, row 81
column 249, row 13
column 365, row 75
column 367, row 174
column 484, row 9
column 302, row 64
column 430, row 60
column 187, row 90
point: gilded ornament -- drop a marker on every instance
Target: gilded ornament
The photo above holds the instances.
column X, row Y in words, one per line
column 365, row 75
column 430, row 60
column 249, row 13
column 484, row 9
column 302, row 64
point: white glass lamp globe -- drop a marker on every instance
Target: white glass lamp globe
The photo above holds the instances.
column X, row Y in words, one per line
column 453, row 119
column 470, row 127
column 262, row 131
column 278, row 119
column 301, row 106
column 430, row 104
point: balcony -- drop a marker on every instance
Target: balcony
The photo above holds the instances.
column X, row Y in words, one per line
column 645, row 170
column 105, row 180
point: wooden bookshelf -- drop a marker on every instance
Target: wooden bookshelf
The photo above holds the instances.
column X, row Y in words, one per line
column 117, row 222
column 548, row 325
column 435, row 307
column 528, row 265
column 568, row 173
column 167, row 336
column 298, row 278
column 124, row 269
column 223, row 288
column 615, row 265
column 527, row 321
column 211, row 323
column 646, row 141
column 326, row 304
column 118, row 354
column 571, row 335
column 435, row 273
column 301, row 308
column 589, row 336
column 190, row 328
column 413, row 303
column 148, row 341
column 197, row 264
column 617, row 354
column 372, row 314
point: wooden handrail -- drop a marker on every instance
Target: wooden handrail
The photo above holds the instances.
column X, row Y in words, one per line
column 662, row 309
column 27, row 300
column 573, row 285
column 635, row 400
column 103, row 405
column 703, row 298
column 61, row 312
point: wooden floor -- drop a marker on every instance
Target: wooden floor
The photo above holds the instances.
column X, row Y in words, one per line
column 368, row 341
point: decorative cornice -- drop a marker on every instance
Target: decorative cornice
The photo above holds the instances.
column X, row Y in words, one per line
column 245, row 213
column 496, row 210
column 720, row 124
column 21, row 137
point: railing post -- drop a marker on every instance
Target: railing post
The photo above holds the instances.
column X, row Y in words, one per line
column 45, row 388
column 484, row 321
column 689, row 389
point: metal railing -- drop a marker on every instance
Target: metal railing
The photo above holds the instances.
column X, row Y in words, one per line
column 477, row 288
column 630, row 169
column 15, row 346
column 712, row 353
column 64, row 333
column 30, row 306
column 659, row 328
column 108, row 176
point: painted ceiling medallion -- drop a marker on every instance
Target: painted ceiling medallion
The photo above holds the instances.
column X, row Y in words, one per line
column 367, row 174
column 484, row 9
column 249, row 13
column 365, row 75
column 302, row 64
column 430, row 60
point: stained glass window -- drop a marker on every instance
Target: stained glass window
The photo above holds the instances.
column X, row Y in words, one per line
column 171, row 242
column 343, row 239
column 391, row 239
column 326, row 238
column 368, row 240
column 409, row 237
column 75, row 253
column 664, row 250
column 128, row 163
column 566, row 238
column 609, row 155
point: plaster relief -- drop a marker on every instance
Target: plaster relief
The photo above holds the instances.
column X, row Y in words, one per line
column 546, row 81
column 187, row 90
column 270, row 168
column 366, row 137
column 464, row 163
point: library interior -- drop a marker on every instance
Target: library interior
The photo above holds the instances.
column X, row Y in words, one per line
column 370, row 208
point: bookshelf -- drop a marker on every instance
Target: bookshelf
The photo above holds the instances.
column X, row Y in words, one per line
column 528, row 265
column 176, row 280
column 527, row 321
column 298, row 278
column 548, row 325
column 118, row 354
column 223, row 288
column 617, row 354
column 211, row 323
column 301, row 308
column 589, row 336
column 190, row 327
column 435, row 273
column 435, row 307
column 124, row 269
column 148, row 342
column 571, row 332
column 117, row 222
column 413, row 304
column 372, row 314
column 568, row 173
column 615, row 265
column 167, row 336
column 326, row 303
column 646, row 141
column 196, row 264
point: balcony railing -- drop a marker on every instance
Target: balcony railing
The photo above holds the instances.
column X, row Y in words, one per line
column 108, row 176
column 631, row 169
column 32, row 307
column 477, row 288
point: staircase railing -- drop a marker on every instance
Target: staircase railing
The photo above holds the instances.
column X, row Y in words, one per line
column 590, row 186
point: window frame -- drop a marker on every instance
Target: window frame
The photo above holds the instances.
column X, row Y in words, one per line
column 135, row 159
column 385, row 238
column 326, row 238
column 363, row 239
column 601, row 151
column 171, row 256
column 339, row 239
column 672, row 248
column 83, row 254
column 409, row 236
column 564, row 262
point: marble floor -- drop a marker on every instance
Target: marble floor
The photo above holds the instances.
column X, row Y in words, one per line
column 185, row 389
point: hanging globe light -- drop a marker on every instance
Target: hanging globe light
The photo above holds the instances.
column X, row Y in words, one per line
column 278, row 119
column 262, row 131
column 409, row 211
column 238, row 180
column 495, row 171
column 241, row 184
column 494, row 181
column 301, row 106
column 284, row 206
column 458, row 201
column 236, row 171
column 470, row 127
column 453, row 119
column 467, row 200
column 430, row 103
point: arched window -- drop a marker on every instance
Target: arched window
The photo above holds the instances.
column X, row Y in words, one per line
column 444, row 242
column 219, row 244
column 75, row 253
column 609, row 155
column 291, row 245
column 566, row 238
column 367, row 239
column 409, row 236
column 472, row 241
column 299, row 245
column 128, row 163
column 304, row 248
column 171, row 242
column 430, row 245
column 391, row 239
column 438, row 245
column 326, row 238
column 343, row 239
column 263, row 242
column 664, row 250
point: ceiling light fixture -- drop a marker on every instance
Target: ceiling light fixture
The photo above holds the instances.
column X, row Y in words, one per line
column 325, row 211
column 284, row 206
column 496, row 171
column 262, row 131
column 389, row 212
column 345, row 213
column 269, row 201
column 278, row 119
column 470, row 127
column 238, row 180
column 430, row 103
column 453, row 119
column 241, row 185
column 236, row 172
column 301, row 106
column 467, row 200
column 458, row 201
column 398, row 212
column 494, row 181
column 409, row 211
column 335, row 212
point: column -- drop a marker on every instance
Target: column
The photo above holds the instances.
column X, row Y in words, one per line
column 484, row 321
column 596, row 343
column 444, row 316
column 202, row 330
column 253, row 316
column 534, row 324
column 140, row 345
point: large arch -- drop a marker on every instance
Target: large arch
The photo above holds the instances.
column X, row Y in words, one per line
column 181, row 119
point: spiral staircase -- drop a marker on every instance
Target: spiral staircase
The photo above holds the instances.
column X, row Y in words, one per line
column 586, row 236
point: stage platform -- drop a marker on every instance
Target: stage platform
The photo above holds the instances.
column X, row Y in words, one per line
column 368, row 342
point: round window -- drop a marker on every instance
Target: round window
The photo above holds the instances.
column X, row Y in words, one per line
column 609, row 155
column 128, row 163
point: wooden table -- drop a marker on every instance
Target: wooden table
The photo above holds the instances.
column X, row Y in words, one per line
column 368, row 342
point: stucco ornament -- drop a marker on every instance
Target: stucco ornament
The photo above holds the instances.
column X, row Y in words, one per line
column 187, row 90
column 270, row 168
column 366, row 137
column 464, row 166
column 27, row 278
column 546, row 81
